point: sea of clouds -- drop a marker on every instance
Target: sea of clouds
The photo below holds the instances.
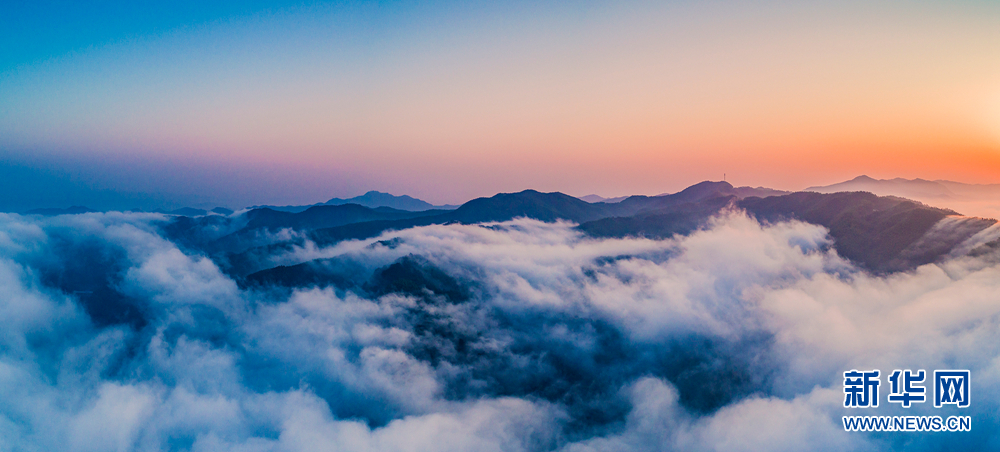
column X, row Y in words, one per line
column 734, row 337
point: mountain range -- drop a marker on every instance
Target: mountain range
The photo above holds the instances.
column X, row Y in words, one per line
column 563, row 314
column 742, row 192
column 372, row 199
column 913, row 188
column 870, row 221
column 598, row 198
column 882, row 234
column 981, row 200
column 969, row 198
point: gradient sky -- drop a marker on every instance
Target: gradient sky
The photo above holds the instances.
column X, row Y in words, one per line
column 119, row 104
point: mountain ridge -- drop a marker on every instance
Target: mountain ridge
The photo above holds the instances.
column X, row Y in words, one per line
column 372, row 199
column 980, row 200
column 880, row 233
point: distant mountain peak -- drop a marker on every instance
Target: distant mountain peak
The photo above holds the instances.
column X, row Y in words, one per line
column 372, row 199
column 906, row 188
column 709, row 186
column 598, row 198
column 375, row 198
column 702, row 190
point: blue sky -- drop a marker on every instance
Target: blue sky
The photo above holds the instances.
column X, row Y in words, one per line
column 39, row 30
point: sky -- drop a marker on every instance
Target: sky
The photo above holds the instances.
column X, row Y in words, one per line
column 133, row 104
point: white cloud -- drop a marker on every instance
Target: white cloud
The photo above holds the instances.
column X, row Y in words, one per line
column 219, row 368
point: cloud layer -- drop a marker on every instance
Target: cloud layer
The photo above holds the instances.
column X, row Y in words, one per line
column 519, row 335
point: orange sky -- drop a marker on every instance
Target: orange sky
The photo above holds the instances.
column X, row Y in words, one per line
column 452, row 103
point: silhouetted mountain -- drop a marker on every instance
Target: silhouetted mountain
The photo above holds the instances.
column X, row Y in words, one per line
column 414, row 275
column 741, row 192
column 500, row 207
column 369, row 229
column 259, row 226
column 504, row 207
column 373, row 199
column 92, row 274
column 540, row 206
column 334, row 272
column 913, row 189
column 552, row 207
column 198, row 234
column 410, row 275
column 56, row 211
column 701, row 190
column 668, row 214
column 947, row 236
column 970, row 199
column 378, row 199
column 644, row 205
column 882, row 234
column 991, row 191
column 760, row 192
column 987, row 249
column 528, row 203
column 879, row 233
column 326, row 216
column 596, row 198
column 870, row 230
column 222, row 211
column 664, row 222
